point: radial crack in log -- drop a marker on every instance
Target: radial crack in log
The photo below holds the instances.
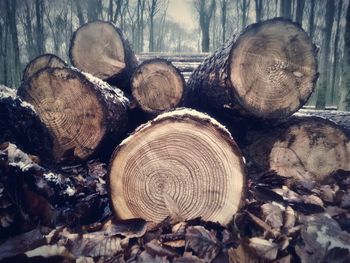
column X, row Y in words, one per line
column 268, row 72
column 79, row 110
column 185, row 154
column 100, row 49
column 157, row 86
column 40, row 62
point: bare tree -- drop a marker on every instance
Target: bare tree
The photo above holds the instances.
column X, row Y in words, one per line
column 312, row 19
column 223, row 7
column 325, row 58
column 39, row 12
column 336, row 51
column 299, row 11
column 258, row 10
column 245, row 4
column 205, row 11
column 345, row 88
column 286, row 8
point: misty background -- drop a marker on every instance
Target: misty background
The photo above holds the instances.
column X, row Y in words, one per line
column 29, row 28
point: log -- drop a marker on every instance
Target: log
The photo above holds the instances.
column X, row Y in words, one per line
column 101, row 49
column 305, row 148
column 157, row 86
column 268, row 72
column 40, row 62
column 182, row 164
column 20, row 124
column 80, row 111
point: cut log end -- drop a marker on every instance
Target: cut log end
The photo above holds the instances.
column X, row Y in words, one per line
column 183, row 164
column 310, row 149
column 157, row 86
column 72, row 112
column 97, row 48
column 40, row 62
column 273, row 68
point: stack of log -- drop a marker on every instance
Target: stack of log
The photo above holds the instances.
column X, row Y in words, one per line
column 218, row 169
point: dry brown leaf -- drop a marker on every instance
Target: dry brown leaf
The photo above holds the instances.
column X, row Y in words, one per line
column 241, row 254
column 188, row 258
column 272, row 215
column 264, row 248
column 202, row 242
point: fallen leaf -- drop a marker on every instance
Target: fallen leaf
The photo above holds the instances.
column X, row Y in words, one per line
column 264, row 248
column 202, row 242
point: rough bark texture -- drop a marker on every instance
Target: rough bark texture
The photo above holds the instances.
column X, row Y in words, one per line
column 119, row 78
column 20, row 124
column 306, row 148
column 157, row 86
column 81, row 112
column 40, row 62
column 216, row 85
column 182, row 164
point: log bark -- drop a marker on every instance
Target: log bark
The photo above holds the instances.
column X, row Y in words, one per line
column 40, row 62
column 157, row 86
column 183, row 164
column 81, row 111
column 20, row 124
column 268, row 72
column 101, row 49
column 304, row 148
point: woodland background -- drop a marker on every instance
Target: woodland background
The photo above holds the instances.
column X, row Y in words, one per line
column 29, row 28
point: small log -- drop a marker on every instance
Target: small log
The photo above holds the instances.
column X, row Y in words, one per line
column 101, row 49
column 183, row 164
column 304, row 148
column 79, row 110
column 157, row 86
column 268, row 72
column 40, row 62
column 20, row 124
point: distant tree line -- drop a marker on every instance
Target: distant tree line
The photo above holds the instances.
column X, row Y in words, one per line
column 29, row 28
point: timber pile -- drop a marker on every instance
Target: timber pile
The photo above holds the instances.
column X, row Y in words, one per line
column 179, row 187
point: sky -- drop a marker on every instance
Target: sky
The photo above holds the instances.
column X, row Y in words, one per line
column 182, row 12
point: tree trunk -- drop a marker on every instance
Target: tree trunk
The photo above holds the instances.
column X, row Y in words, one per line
column 79, row 110
column 11, row 7
column 325, row 58
column 258, row 10
column 223, row 19
column 151, row 35
column 336, row 55
column 345, row 87
column 157, row 86
column 304, row 148
column 205, row 37
column 39, row 11
column 80, row 12
column 286, row 8
column 101, row 49
column 182, row 164
column 241, row 78
column 312, row 19
column 20, row 124
column 300, row 11
column 40, row 62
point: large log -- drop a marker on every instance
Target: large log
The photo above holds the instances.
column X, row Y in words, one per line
column 183, row 164
column 101, row 49
column 40, row 62
column 305, row 148
column 20, row 124
column 268, row 72
column 80, row 111
column 157, row 86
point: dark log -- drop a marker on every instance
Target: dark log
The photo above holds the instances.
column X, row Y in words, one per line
column 304, row 148
column 20, row 124
column 101, row 49
column 40, row 62
column 268, row 72
column 182, row 164
column 157, row 86
column 81, row 111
